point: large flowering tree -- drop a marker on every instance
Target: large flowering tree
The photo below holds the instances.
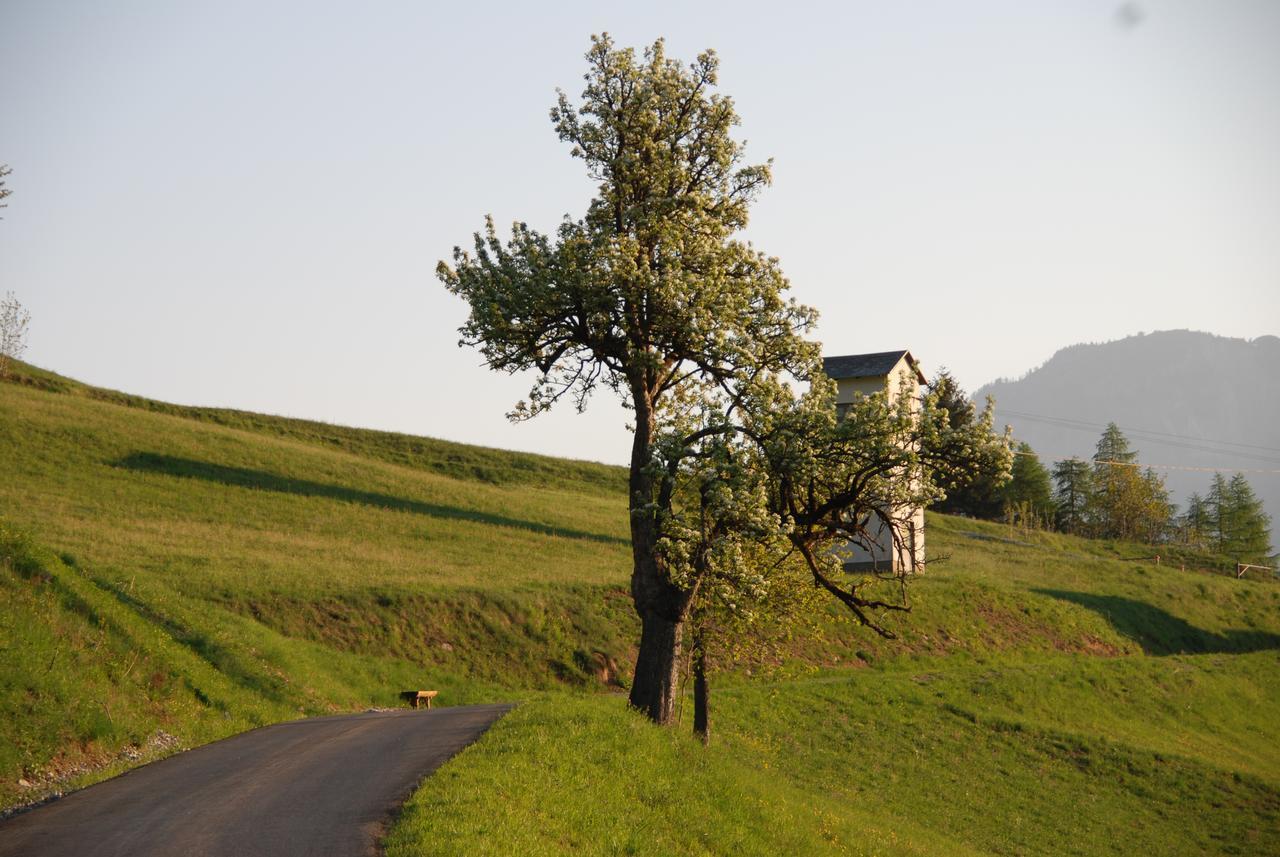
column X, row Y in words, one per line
column 738, row 466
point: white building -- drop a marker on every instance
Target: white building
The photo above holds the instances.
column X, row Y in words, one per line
column 894, row 373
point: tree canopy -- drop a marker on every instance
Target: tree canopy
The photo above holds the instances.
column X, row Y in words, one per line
column 1072, row 487
column 976, row 494
column 4, row 191
column 1126, row 502
column 14, row 319
column 1235, row 520
column 1028, row 495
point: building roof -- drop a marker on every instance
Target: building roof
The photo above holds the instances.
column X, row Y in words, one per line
column 868, row 365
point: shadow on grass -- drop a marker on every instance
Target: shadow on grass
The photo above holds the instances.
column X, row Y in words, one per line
column 1162, row 633
column 235, row 667
column 243, row 477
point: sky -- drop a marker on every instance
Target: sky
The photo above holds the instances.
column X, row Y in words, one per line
column 242, row 204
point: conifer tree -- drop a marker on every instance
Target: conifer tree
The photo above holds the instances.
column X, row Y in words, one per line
column 1028, row 494
column 977, row 495
column 1073, row 490
column 1126, row 503
column 1249, row 536
column 1113, row 446
column 1219, row 514
column 1115, row 485
column 1194, row 523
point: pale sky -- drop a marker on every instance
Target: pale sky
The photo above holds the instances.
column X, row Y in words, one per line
column 243, row 203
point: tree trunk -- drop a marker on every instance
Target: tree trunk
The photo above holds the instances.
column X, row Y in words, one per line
column 657, row 664
column 701, row 692
column 660, row 605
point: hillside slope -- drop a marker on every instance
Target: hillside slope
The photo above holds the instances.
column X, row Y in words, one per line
column 1046, row 697
column 173, row 575
column 1166, row 390
column 998, row 758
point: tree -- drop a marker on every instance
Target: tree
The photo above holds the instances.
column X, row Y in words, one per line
column 1126, row 502
column 652, row 296
column 747, row 609
column 1250, row 537
column 4, row 191
column 1115, row 485
column 648, row 294
column 1154, row 520
column 1113, row 447
column 717, row 540
column 13, row 331
column 1219, row 512
column 1194, row 524
column 1028, row 494
column 770, row 489
column 13, row 317
column 1073, row 490
column 1238, row 526
column 1117, row 503
column 977, row 495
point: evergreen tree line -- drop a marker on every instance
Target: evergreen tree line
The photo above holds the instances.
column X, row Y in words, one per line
column 1109, row 496
column 1228, row 520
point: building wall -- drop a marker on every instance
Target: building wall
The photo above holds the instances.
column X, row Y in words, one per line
column 848, row 389
column 882, row 555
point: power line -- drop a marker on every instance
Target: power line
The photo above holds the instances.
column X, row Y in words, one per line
column 1087, row 424
column 1141, row 465
column 1142, row 434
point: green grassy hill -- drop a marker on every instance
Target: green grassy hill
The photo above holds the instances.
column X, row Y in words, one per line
column 193, row 572
column 172, row 575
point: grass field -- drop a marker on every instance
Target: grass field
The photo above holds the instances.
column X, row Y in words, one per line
column 191, row 572
column 1045, row 698
column 999, row 758
column 172, row 575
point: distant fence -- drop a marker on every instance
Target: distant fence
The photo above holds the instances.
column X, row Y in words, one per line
column 1242, row 568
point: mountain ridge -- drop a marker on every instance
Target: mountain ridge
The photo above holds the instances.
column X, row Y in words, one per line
column 1190, row 402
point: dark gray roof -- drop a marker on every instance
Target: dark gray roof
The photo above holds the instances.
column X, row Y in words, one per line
column 868, row 365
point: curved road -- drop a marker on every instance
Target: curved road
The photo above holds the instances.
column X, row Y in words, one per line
column 321, row 786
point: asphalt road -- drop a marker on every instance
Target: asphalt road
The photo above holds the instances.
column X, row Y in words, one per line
column 322, row 786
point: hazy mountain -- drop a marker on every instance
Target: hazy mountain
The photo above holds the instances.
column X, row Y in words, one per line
column 1183, row 398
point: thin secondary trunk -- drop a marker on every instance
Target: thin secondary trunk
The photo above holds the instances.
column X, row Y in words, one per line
column 701, row 692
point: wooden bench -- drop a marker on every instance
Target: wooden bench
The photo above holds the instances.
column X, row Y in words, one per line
column 413, row 697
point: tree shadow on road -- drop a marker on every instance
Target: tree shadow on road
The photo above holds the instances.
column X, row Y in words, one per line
column 244, row 477
column 1161, row 633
